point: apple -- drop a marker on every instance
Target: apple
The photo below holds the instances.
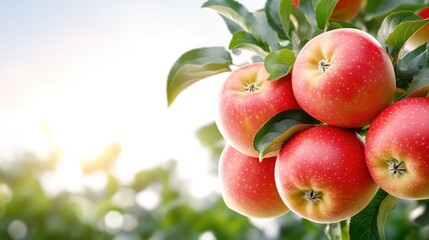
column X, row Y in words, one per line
column 397, row 149
column 248, row 185
column 424, row 13
column 247, row 100
column 344, row 78
column 321, row 174
column 422, row 35
column 345, row 9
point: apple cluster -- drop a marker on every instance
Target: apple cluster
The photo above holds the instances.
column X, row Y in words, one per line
column 330, row 171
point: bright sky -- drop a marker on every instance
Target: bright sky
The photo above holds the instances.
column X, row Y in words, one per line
column 95, row 72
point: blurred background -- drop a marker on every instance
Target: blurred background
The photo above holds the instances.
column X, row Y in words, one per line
column 88, row 147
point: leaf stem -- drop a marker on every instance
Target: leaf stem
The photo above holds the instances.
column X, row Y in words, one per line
column 338, row 230
column 333, row 231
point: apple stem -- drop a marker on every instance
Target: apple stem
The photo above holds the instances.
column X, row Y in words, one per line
column 324, row 65
column 312, row 196
column 251, row 87
column 396, row 167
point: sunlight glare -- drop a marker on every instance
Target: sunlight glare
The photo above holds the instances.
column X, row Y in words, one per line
column 130, row 222
column 66, row 177
column 17, row 229
column 124, row 197
column 148, row 199
column 96, row 88
column 96, row 181
column 113, row 221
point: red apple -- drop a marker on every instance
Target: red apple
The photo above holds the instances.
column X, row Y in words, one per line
column 397, row 149
column 345, row 9
column 424, row 13
column 322, row 176
column 248, row 185
column 247, row 100
column 344, row 78
column 422, row 35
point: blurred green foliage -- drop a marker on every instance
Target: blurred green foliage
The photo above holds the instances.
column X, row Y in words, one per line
column 27, row 211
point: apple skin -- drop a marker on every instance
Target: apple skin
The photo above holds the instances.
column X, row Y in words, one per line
column 424, row 13
column 321, row 174
column 345, row 9
column 422, row 35
column 241, row 113
column 248, row 185
column 344, row 78
column 401, row 132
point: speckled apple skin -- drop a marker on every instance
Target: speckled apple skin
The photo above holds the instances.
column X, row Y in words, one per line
column 328, row 160
column 240, row 115
column 248, row 185
column 358, row 84
column 401, row 132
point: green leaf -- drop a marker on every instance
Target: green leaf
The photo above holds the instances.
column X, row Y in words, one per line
column 420, row 85
column 324, row 11
column 303, row 27
column 279, row 63
column 402, row 33
column 309, row 11
column 391, row 22
column 335, row 24
column 369, row 223
column 272, row 8
column 240, row 19
column 264, row 30
column 195, row 65
column 386, row 206
column 280, row 128
column 284, row 12
column 380, row 8
column 410, row 65
column 234, row 11
column 244, row 40
column 231, row 25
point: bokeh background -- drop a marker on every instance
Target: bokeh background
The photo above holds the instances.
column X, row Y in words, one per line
column 88, row 147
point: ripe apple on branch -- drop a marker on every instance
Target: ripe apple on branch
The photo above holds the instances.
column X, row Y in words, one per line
column 247, row 100
column 398, row 156
column 322, row 176
column 330, row 118
column 248, row 185
column 343, row 77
